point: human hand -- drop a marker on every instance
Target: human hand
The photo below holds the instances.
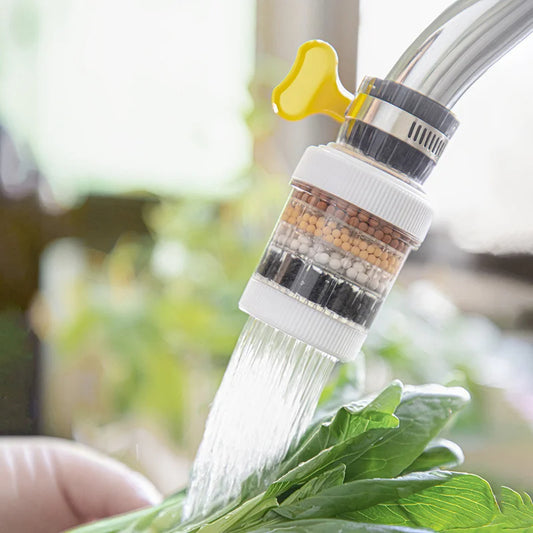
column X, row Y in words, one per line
column 49, row 485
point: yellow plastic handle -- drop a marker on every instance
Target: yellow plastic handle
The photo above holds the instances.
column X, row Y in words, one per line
column 312, row 85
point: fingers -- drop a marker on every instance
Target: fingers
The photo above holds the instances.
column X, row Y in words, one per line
column 97, row 486
column 48, row 485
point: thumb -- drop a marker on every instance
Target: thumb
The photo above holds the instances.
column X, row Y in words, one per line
column 48, row 485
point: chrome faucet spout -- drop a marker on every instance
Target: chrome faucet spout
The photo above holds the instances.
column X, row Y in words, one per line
column 460, row 45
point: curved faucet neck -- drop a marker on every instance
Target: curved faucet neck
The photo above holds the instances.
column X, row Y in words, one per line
column 460, row 45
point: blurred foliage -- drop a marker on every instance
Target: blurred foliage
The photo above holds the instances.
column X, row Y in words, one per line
column 154, row 322
column 156, row 307
column 17, row 414
column 420, row 336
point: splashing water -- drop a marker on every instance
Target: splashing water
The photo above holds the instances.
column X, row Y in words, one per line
column 265, row 402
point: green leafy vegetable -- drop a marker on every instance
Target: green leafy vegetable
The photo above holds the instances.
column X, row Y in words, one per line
column 349, row 421
column 371, row 466
column 515, row 515
column 440, row 453
column 438, row 506
column 423, row 412
column 517, row 510
column 330, row 478
column 334, row 526
column 340, row 440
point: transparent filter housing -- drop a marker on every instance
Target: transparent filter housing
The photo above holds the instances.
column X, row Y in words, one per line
column 334, row 256
column 336, row 250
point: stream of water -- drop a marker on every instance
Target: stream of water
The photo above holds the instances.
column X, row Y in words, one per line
column 265, row 401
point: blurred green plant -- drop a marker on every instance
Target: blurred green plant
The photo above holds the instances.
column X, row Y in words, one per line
column 153, row 309
column 421, row 336
column 154, row 322
column 16, row 371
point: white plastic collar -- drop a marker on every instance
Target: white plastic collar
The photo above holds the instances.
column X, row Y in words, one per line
column 367, row 187
column 298, row 319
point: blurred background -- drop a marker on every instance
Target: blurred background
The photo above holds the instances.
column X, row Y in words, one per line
column 141, row 172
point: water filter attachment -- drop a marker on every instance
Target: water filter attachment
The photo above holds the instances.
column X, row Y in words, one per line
column 356, row 208
column 335, row 252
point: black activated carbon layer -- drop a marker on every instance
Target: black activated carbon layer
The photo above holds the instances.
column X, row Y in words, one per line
column 307, row 280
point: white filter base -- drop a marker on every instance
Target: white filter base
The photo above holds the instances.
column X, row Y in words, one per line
column 298, row 319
